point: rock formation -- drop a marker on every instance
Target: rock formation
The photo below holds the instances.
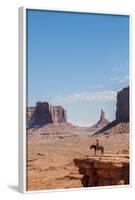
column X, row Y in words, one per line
column 101, row 123
column 59, row 114
column 44, row 114
column 104, row 171
column 121, row 123
column 122, row 112
column 29, row 112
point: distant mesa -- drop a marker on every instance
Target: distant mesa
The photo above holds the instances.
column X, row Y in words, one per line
column 44, row 114
column 59, row 114
column 49, row 121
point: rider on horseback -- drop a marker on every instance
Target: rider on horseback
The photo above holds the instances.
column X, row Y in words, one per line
column 97, row 142
column 97, row 147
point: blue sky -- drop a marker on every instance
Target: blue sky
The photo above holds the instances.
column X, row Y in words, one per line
column 78, row 61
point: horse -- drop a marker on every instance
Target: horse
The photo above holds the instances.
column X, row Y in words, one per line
column 97, row 148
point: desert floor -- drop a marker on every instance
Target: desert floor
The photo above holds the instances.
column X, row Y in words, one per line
column 50, row 161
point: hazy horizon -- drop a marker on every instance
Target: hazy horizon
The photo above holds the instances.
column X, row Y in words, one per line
column 78, row 61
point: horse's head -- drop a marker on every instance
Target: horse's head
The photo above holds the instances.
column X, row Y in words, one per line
column 91, row 146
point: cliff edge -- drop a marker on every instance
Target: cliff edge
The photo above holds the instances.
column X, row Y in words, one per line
column 104, row 170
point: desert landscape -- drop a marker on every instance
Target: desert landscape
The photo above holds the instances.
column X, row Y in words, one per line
column 59, row 154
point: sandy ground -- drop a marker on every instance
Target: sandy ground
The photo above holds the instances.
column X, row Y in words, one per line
column 50, row 161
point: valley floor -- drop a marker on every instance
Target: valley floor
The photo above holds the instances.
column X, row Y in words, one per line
column 50, row 161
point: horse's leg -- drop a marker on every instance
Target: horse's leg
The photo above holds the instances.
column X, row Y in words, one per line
column 102, row 151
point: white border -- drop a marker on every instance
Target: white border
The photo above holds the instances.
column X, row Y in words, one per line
column 22, row 96
column 22, row 101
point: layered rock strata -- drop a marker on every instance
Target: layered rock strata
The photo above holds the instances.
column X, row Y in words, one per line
column 104, row 171
column 44, row 114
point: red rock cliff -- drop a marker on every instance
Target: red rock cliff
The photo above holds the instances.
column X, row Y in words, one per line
column 122, row 112
column 104, row 171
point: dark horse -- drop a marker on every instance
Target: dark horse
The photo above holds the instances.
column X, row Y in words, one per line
column 97, row 148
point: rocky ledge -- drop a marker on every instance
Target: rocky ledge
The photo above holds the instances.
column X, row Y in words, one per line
column 104, row 170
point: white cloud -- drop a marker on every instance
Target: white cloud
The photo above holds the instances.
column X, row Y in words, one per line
column 106, row 95
column 120, row 79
